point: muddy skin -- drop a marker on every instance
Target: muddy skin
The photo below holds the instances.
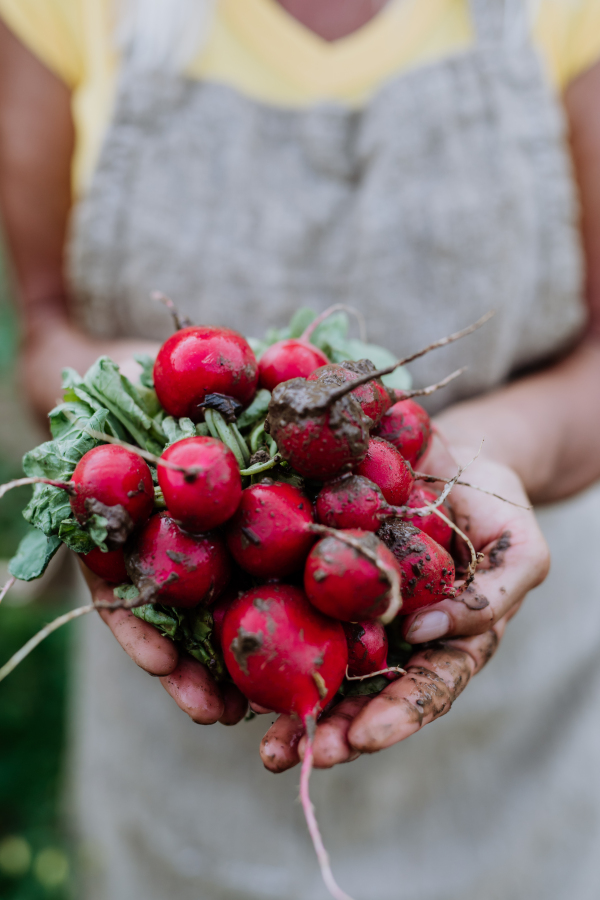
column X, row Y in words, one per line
column 261, row 456
column 472, row 599
column 422, row 578
column 498, row 551
column 491, row 645
column 244, row 645
column 304, row 404
column 119, row 523
column 434, row 694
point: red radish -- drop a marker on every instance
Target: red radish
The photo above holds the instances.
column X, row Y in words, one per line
column 318, row 438
column 212, row 495
column 269, row 535
column 175, row 568
column 202, row 360
column 114, row 483
column 219, row 611
column 367, row 647
column 109, row 566
column 284, row 360
column 373, row 397
column 348, row 583
column 387, row 468
column 285, row 656
column 427, row 569
column 432, row 525
column 281, row 652
column 352, row 502
column 407, row 426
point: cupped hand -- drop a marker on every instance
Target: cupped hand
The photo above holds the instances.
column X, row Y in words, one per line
column 187, row 681
column 459, row 635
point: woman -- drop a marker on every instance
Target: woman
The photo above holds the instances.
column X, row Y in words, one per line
column 408, row 158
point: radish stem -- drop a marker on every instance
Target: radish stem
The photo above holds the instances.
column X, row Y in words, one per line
column 397, row 669
column 311, row 820
column 475, row 557
column 7, row 587
column 426, row 391
column 21, row 482
column 26, row 649
column 350, row 386
column 337, row 307
column 180, row 321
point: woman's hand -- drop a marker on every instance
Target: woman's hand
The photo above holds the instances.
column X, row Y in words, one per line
column 187, row 681
column 55, row 344
column 466, row 631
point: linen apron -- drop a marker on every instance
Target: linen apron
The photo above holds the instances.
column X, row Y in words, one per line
column 448, row 194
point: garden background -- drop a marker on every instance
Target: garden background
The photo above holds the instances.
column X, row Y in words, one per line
column 35, row 857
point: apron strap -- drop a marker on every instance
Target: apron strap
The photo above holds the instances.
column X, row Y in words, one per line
column 502, row 22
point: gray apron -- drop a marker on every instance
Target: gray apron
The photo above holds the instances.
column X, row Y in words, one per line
column 449, row 194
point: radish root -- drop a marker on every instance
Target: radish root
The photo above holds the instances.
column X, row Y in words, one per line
column 392, row 576
column 340, row 392
column 47, row 630
column 311, row 819
column 7, row 587
column 432, row 507
column 180, row 321
column 397, row 669
column 432, row 479
column 26, row 649
column 21, row 482
column 426, row 391
column 475, row 557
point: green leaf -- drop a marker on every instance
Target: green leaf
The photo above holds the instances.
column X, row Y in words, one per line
column 57, row 459
column 72, row 534
column 364, row 688
column 147, row 364
column 34, row 553
column 97, row 528
column 380, row 357
column 48, row 507
column 300, row 321
column 178, row 429
column 118, row 395
column 192, row 629
column 127, row 592
column 330, row 332
column 166, row 621
column 148, row 400
column 257, row 409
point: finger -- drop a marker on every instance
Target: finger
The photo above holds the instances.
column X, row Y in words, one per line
column 279, row 747
column 193, row 689
column 236, row 705
column 435, row 677
column 259, row 710
column 142, row 642
column 513, row 564
column 330, row 746
column 481, row 647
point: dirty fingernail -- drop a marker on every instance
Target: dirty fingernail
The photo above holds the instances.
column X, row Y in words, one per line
column 428, row 627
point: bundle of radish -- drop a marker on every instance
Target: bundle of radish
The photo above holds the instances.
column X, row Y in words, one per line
column 304, row 501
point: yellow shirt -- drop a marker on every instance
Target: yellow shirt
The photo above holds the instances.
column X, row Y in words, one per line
column 257, row 48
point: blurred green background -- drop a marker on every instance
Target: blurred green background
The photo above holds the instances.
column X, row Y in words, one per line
column 34, row 847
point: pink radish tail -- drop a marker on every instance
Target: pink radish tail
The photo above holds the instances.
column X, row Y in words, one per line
column 311, row 820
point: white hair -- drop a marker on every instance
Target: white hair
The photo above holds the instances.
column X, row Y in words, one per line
column 162, row 34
